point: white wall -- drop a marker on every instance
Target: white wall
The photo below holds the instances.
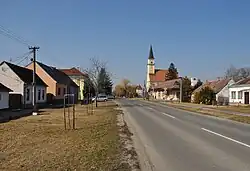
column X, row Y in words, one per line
column 38, row 88
column 237, row 89
column 225, row 91
column 10, row 79
column 4, row 100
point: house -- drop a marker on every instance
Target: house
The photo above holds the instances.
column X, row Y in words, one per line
column 19, row 80
column 239, row 92
column 4, row 96
column 167, row 90
column 79, row 78
column 220, row 87
column 139, row 90
column 58, row 83
column 154, row 75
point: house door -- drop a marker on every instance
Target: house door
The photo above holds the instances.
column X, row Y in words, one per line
column 246, row 97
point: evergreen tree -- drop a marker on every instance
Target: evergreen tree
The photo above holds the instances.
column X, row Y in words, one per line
column 172, row 72
column 104, row 82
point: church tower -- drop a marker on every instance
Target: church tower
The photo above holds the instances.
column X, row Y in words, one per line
column 150, row 66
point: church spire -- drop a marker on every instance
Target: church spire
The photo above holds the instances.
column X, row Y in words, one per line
column 151, row 55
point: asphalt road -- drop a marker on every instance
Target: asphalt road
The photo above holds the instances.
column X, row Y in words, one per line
column 176, row 140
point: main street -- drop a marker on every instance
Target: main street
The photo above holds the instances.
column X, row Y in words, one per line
column 176, row 140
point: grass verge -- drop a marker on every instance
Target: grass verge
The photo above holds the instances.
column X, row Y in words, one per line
column 238, row 118
column 41, row 143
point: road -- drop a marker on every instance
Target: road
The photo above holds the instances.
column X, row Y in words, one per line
column 176, row 140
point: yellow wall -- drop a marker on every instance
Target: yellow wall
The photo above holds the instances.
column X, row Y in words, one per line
column 80, row 82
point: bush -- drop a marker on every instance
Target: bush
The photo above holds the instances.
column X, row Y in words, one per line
column 205, row 96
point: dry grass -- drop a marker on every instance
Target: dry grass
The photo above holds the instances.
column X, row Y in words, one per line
column 41, row 143
column 244, row 119
column 241, row 109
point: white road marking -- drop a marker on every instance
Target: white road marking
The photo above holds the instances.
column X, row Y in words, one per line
column 150, row 108
column 241, row 143
column 168, row 115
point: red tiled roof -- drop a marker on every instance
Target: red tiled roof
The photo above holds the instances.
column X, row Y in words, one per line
column 73, row 72
column 159, row 75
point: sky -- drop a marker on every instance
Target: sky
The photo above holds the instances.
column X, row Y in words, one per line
column 201, row 37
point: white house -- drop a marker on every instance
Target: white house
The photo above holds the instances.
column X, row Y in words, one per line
column 4, row 97
column 239, row 92
column 19, row 80
column 220, row 88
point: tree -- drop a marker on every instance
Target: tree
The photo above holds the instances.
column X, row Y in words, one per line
column 205, row 96
column 198, row 84
column 104, row 82
column 172, row 72
column 125, row 89
column 93, row 73
column 233, row 72
column 186, row 89
column 125, row 85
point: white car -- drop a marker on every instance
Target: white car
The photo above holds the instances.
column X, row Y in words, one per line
column 100, row 98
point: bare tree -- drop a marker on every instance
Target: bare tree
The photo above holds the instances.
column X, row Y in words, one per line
column 233, row 72
column 93, row 73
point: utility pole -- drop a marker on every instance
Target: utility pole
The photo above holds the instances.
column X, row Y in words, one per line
column 34, row 49
column 181, row 89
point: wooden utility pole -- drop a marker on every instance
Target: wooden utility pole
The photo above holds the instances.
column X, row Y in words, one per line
column 34, row 49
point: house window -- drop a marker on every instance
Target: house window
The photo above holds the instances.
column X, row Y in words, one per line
column 39, row 94
column 64, row 90
column 43, row 94
column 59, row 91
column 233, row 94
column 239, row 94
column 0, row 97
column 27, row 94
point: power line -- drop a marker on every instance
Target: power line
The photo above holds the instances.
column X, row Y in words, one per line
column 20, row 57
column 12, row 36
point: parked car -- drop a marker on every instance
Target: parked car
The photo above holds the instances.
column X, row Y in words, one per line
column 100, row 98
column 111, row 97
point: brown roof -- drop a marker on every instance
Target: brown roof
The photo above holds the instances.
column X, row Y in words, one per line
column 73, row 72
column 243, row 81
column 4, row 88
column 216, row 85
column 159, row 75
column 26, row 75
column 170, row 84
column 59, row 76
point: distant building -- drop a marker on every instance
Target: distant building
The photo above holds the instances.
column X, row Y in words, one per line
column 220, row 88
column 79, row 78
column 166, row 90
column 139, row 90
column 194, row 81
column 154, row 75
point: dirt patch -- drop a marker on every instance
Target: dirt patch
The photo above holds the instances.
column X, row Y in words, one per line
column 129, row 156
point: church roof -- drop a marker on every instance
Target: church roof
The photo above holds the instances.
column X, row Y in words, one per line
column 159, row 75
column 151, row 54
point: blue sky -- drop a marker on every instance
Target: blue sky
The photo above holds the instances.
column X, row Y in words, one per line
column 201, row 37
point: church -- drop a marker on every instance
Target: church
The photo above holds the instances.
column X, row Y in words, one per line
column 157, row 86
